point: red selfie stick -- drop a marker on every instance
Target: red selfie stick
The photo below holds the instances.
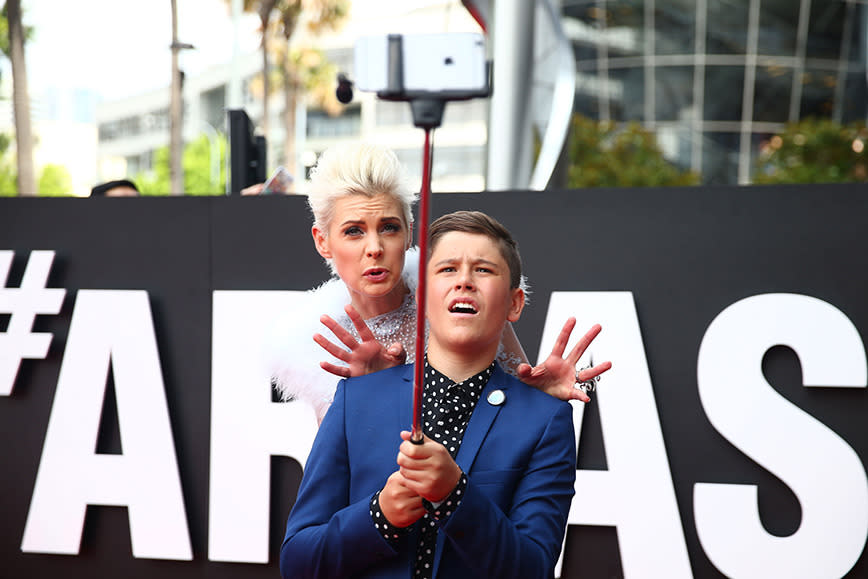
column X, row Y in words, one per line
column 419, row 379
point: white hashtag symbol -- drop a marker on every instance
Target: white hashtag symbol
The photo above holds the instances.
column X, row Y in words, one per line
column 23, row 304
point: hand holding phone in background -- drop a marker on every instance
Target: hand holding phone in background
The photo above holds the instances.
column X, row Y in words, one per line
column 279, row 182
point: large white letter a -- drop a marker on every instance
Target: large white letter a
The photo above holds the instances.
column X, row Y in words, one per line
column 109, row 326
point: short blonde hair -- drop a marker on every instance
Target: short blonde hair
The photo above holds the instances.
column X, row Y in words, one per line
column 357, row 169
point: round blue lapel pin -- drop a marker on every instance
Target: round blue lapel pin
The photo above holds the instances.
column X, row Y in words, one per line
column 496, row 398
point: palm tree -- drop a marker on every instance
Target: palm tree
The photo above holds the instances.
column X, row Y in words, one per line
column 176, row 110
column 264, row 9
column 320, row 15
column 294, row 69
column 20, row 99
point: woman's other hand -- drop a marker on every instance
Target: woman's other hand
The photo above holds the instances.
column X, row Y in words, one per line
column 557, row 375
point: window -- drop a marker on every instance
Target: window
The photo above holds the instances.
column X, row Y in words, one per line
column 673, row 92
column 675, row 27
column 627, row 94
column 778, row 26
column 720, row 158
column 724, row 87
column 320, row 124
column 726, row 29
column 772, row 90
column 826, row 28
column 818, row 92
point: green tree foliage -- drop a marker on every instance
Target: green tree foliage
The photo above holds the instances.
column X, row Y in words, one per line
column 157, row 180
column 8, row 177
column 197, row 170
column 55, row 181
column 604, row 154
column 8, row 182
column 4, row 32
column 198, row 167
column 815, row 151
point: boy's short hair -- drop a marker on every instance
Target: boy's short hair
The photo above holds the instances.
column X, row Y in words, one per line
column 482, row 224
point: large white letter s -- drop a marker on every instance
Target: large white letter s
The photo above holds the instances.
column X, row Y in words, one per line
column 819, row 466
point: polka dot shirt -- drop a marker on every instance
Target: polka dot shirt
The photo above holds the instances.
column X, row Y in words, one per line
column 446, row 410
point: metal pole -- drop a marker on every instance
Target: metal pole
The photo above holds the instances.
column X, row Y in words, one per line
column 509, row 134
column 233, row 100
column 176, row 169
column 421, row 292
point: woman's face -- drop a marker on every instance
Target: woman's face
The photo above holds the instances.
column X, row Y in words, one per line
column 366, row 241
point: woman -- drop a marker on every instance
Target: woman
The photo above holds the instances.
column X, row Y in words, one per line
column 363, row 226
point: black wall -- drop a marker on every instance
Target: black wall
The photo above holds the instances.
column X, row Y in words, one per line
column 685, row 254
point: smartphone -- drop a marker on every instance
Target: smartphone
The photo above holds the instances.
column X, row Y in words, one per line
column 450, row 62
column 279, row 182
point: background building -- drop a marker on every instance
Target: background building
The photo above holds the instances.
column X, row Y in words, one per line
column 130, row 130
column 714, row 80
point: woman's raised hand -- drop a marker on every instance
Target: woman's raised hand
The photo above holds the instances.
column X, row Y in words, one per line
column 557, row 375
column 363, row 357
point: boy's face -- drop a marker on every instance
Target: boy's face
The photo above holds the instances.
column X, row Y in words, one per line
column 469, row 298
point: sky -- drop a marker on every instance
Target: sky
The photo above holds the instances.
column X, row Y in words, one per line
column 118, row 48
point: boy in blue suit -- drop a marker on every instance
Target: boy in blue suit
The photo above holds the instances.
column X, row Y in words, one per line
column 488, row 492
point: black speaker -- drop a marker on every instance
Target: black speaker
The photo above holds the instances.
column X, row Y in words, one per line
column 246, row 157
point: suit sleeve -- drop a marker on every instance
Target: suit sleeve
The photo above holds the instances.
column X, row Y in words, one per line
column 325, row 535
column 525, row 541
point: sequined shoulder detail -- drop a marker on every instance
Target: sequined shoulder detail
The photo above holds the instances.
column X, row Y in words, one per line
column 508, row 360
column 399, row 325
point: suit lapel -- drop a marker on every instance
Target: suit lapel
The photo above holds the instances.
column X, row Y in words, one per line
column 406, row 398
column 481, row 420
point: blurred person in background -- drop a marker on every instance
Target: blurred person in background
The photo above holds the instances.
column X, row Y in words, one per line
column 118, row 188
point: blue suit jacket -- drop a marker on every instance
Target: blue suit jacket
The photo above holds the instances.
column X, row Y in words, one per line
column 519, row 458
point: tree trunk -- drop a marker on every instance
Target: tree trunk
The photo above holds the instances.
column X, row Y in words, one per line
column 266, row 88
column 20, row 101
column 266, row 7
column 176, row 168
column 290, row 102
column 289, row 15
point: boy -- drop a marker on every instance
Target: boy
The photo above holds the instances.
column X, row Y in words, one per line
column 488, row 491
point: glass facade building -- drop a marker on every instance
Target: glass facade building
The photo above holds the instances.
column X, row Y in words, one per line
column 715, row 79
